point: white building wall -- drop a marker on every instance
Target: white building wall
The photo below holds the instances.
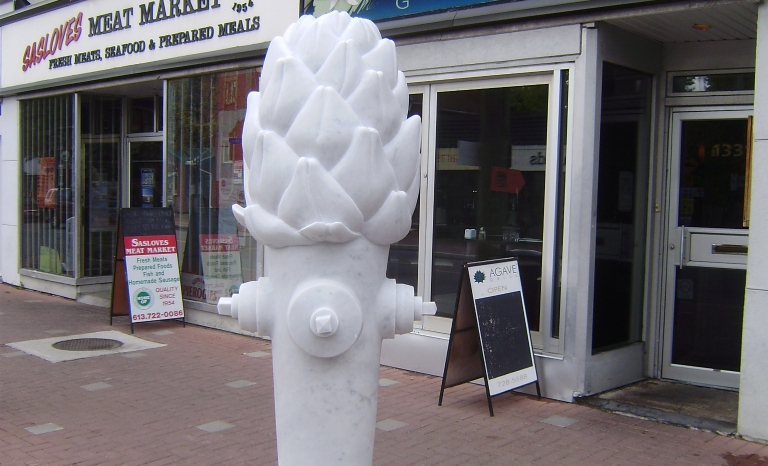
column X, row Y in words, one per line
column 753, row 402
column 10, row 204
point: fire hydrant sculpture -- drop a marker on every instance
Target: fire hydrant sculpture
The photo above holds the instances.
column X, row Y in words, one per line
column 332, row 173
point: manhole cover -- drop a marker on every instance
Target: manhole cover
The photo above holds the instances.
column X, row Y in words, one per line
column 87, row 344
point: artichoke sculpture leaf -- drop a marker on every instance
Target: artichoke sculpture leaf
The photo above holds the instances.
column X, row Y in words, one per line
column 342, row 70
column 392, row 222
column 401, row 94
column 289, row 88
column 400, row 151
column 365, row 173
column 315, row 197
column 271, row 230
column 323, row 128
column 364, row 34
column 375, row 103
column 278, row 49
column 252, row 127
column 314, row 46
column 382, row 58
column 277, row 168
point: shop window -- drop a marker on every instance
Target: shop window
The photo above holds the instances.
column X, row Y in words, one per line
column 205, row 178
column 622, row 204
column 490, row 187
column 712, row 83
column 142, row 115
column 403, row 264
column 48, row 172
column 100, row 126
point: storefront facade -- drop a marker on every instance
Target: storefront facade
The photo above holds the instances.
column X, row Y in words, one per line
column 615, row 150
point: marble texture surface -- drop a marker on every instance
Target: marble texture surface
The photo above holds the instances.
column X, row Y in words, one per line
column 331, row 174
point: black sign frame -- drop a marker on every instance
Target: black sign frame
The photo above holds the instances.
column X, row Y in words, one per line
column 129, row 224
column 466, row 359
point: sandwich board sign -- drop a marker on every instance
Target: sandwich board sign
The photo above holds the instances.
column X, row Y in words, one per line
column 148, row 288
column 490, row 338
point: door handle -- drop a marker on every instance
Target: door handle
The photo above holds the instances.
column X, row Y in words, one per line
column 682, row 247
column 738, row 249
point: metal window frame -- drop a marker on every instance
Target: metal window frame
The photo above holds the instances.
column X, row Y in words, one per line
column 550, row 75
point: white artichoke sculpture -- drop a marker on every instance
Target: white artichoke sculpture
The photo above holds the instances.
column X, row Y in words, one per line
column 330, row 155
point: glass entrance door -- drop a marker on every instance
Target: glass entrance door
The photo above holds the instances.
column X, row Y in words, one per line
column 146, row 173
column 707, row 247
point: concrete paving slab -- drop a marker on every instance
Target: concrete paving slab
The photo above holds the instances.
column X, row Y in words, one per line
column 240, row 384
column 388, row 425
column 43, row 428
column 92, row 387
column 215, row 426
column 560, row 421
column 44, row 349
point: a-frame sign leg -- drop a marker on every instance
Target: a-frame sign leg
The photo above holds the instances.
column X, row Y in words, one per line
column 488, row 394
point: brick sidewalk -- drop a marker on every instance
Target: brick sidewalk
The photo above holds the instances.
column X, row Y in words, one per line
column 149, row 409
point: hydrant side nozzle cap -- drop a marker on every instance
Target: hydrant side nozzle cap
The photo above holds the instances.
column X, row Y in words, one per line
column 428, row 308
column 224, row 306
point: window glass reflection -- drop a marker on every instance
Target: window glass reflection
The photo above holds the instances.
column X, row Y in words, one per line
column 205, row 178
column 403, row 264
column 48, row 228
column 622, row 204
column 489, row 187
column 100, row 123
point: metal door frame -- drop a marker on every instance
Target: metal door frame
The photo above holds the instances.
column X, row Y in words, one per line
column 549, row 76
column 125, row 166
column 677, row 238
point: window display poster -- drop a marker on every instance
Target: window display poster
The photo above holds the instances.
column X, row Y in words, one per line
column 102, row 205
column 46, row 179
column 220, row 256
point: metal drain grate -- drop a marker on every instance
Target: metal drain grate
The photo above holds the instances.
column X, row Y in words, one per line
column 87, row 344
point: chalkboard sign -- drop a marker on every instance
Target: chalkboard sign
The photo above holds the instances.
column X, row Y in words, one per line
column 490, row 337
column 147, row 222
column 148, row 287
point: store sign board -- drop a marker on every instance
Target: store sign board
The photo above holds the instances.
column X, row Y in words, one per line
column 95, row 36
column 504, row 335
column 378, row 10
column 490, row 337
column 150, row 282
column 152, row 269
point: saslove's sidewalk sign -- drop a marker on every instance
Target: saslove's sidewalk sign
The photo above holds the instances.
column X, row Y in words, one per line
column 148, row 288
